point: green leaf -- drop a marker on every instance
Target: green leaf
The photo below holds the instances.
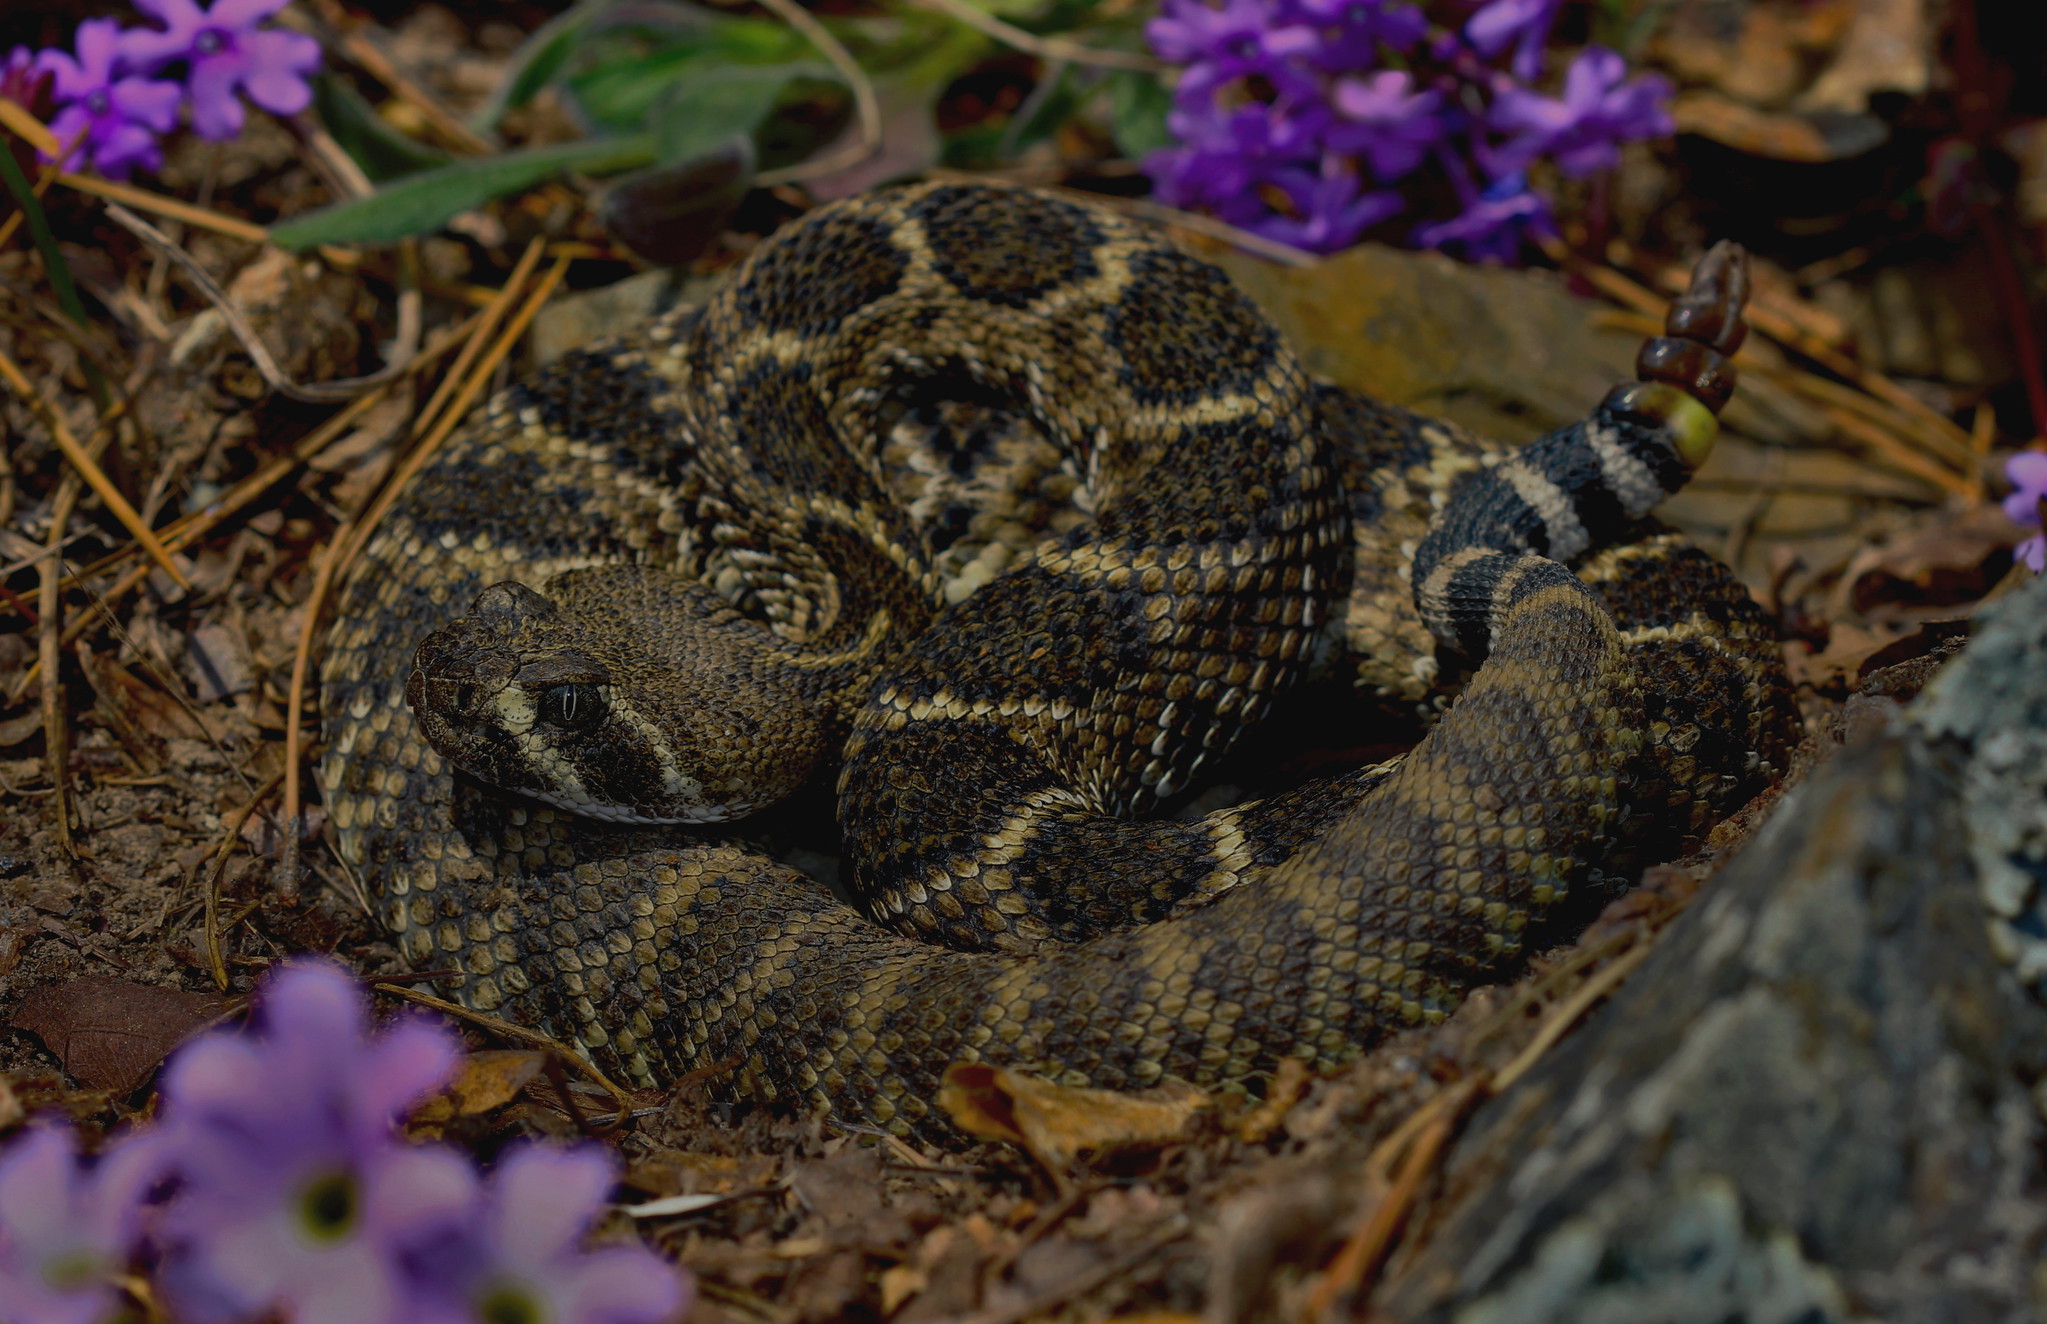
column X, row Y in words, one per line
column 381, row 151
column 428, row 200
column 621, row 75
column 1010, row 9
column 703, row 110
column 1138, row 103
column 54, row 265
column 539, row 58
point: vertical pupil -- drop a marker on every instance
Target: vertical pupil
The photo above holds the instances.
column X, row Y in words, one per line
column 567, row 697
column 329, row 1206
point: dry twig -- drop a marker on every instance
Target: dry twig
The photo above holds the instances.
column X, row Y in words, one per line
column 182, row 532
column 89, row 469
column 1889, row 450
column 159, row 205
column 371, row 59
column 1420, row 1140
column 522, row 1035
column 348, row 542
column 235, row 823
column 1045, row 48
column 1415, row 1145
column 50, row 629
column 866, row 107
column 480, row 331
column 1255, row 244
column 252, row 344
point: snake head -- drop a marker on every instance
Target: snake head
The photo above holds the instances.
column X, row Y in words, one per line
column 464, row 671
column 507, row 695
column 590, row 702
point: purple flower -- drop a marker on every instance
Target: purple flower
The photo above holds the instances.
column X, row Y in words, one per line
column 114, row 116
column 1600, row 106
column 520, row 1258
column 226, row 51
column 1386, row 121
column 1330, row 210
column 1229, row 157
column 1288, row 111
column 296, row 1191
column 66, row 1230
column 1350, row 34
column 1189, row 30
column 1223, row 44
column 2027, row 472
column 1494, row 224
column 24, row 80
column 1522, row 24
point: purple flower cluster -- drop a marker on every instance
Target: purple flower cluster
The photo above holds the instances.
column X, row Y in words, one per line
column 2027, row 472
column 1301, row 120
column 123, row 88
column 277, row 1185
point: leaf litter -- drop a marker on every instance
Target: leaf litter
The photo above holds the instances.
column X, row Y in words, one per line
column 1853, row 504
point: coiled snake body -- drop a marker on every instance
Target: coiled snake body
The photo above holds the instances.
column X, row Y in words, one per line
column 703, row 562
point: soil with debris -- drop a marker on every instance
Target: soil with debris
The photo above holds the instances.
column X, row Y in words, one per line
column 1856, row 494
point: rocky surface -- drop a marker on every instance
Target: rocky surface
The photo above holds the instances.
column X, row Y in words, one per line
column 1821, row 1098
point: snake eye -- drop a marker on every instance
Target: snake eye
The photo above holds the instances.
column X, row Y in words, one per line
column 572, row 707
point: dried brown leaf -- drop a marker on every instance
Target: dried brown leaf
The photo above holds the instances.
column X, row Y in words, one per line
column 21, row 728
column 941, row 1280
column 1887, row 49
column 679, row 1171
column 491, row 1078
column 1057, row 1123
column 899, row 1284
column 11, row 1111
column 144, row 708
column 1289, row 1083
column 1941, row 563
column 1777, row 136
column 1834, row 667
column 217, row 659
column 843, row 1189
column 111, row 1033
column 1759, row 53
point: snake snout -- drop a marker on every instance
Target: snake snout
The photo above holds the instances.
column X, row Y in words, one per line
column 456, row 676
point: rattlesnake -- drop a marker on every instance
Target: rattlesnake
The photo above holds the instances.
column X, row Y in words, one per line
column 714, row 557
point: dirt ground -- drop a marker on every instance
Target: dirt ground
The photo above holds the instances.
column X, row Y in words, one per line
column 1861, row 509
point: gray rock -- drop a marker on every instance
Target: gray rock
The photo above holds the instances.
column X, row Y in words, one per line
column 1816, row 1100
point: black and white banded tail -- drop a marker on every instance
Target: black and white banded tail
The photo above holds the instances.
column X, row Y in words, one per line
column 1504, row 529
